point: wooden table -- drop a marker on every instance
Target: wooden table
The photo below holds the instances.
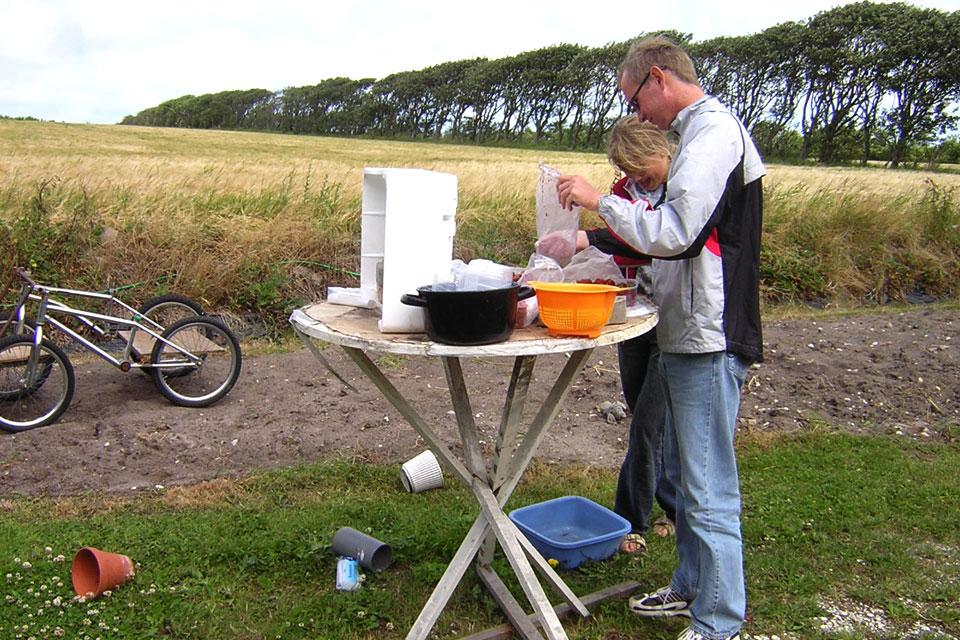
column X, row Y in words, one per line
column 355, row 330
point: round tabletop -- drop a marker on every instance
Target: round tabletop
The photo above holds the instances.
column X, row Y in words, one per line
column 356, row 327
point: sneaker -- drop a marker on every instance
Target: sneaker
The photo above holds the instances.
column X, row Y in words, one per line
column 690, row 634
column 663, row 602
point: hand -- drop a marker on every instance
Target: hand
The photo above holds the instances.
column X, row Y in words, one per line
column 575, row 190
column 559, row 245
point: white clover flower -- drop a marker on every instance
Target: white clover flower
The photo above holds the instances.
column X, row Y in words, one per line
column 87, row 622
column 27, row 565
column 47, row 550
column 9, row 577
column 16, row 561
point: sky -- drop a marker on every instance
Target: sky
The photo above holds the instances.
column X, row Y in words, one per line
column 95, row 61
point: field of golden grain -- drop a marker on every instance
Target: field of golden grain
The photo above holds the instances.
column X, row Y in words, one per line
column 239, row 216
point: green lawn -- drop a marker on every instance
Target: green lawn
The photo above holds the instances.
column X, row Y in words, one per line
column 830, row 522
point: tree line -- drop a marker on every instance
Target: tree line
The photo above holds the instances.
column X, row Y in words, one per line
column 863, row 81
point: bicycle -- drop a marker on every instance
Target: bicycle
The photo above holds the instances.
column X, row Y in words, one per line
column 194, row 362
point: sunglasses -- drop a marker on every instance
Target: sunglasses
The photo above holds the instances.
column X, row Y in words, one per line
column 632, row 104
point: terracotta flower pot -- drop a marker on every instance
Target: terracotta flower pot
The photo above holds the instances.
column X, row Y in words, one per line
column 96, row 571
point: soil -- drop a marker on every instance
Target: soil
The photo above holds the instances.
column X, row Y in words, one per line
column 892, row 373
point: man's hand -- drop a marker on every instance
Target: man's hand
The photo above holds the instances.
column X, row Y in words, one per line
column 575, row 190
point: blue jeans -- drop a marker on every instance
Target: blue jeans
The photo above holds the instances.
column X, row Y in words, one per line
column 703, row 400
column 641, row 475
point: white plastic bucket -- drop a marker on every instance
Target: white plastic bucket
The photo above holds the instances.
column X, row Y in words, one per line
column 421, row 473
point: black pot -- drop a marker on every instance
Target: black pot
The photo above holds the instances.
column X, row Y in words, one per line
column 468, row 317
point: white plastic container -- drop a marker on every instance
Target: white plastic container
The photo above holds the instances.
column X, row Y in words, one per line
column 483, row 274
column 406, row 239
column 421, row 473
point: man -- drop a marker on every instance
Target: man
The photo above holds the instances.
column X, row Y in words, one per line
column 705, row 238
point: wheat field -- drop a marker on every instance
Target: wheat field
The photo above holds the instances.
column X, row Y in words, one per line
column 229, row 212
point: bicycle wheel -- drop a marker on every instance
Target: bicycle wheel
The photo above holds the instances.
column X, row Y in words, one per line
column 28, row 325
column 167, row 309
column 186, row 383
column 25, row 402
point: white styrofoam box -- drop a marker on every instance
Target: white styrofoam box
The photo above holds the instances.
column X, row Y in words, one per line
column 408, row 224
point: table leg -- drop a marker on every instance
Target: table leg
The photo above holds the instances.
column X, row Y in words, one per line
column 551, row 407
column 523, row 624
column 409, row 413
column 319, row 356
column 507, row 434
column 448, row 582
column 461, row 407
column 507, row 537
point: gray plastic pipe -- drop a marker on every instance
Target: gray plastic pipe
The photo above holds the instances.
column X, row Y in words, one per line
column 369, row 552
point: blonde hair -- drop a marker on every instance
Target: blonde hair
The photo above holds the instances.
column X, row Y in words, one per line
column 657, row 51
column 633, row 144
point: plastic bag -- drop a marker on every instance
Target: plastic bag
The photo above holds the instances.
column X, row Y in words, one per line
column 542, row 268
column 595, row 266
column 556, row 227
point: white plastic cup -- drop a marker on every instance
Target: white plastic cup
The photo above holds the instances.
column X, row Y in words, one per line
column 421, row 473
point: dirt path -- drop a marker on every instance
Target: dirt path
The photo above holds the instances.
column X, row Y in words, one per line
column 893, row 373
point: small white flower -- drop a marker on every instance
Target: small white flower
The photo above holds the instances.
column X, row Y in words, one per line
column 27, row 565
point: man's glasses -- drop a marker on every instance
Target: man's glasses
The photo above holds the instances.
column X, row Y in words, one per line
column 632, row 104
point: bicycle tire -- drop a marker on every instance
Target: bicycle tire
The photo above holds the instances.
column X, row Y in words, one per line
column 28, row 323
column 27, row 404
column 190, row 385
column 168, row 308
column 29, row 329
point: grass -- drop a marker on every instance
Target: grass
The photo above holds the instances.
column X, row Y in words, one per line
column 830, row 520
column 251, row 222
column 259, row 222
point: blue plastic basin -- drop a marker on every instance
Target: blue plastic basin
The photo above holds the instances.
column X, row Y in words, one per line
column 571, row 529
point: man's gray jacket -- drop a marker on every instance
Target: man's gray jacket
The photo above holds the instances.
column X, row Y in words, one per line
column 704, row 237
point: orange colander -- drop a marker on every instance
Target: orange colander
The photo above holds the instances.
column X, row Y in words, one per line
column 574, row 309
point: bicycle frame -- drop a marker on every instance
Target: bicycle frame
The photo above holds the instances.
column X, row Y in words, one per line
column 48, row 307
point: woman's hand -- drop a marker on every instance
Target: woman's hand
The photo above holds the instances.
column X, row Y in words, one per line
column 575, row 190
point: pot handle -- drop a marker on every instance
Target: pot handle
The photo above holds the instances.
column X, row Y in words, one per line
column 412, row 300
column 525, row 292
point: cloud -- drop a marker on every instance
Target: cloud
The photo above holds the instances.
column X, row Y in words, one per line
column 98, row 61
